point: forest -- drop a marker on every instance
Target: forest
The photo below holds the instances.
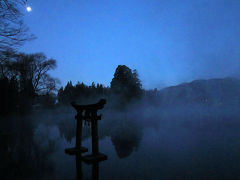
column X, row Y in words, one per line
column 26, row 83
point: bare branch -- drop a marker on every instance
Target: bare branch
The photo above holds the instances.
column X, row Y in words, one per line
column 13, row 32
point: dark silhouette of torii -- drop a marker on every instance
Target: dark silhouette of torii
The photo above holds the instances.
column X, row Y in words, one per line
column 90, row 109
column 89, row 114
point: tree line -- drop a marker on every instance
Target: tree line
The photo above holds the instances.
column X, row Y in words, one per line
column 125, row 87
column 25, row 81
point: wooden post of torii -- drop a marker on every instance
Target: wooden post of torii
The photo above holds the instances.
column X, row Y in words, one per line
column 89, row 114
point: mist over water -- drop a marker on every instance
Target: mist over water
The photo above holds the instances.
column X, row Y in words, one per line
column 141, row 142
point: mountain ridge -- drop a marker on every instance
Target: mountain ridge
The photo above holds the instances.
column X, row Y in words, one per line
column 216, row 91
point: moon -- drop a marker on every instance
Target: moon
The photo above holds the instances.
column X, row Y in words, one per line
column 29, row 9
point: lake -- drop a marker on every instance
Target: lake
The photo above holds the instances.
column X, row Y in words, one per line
column 163, row 144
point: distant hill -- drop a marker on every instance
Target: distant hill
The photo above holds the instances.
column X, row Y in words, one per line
column 210, row 92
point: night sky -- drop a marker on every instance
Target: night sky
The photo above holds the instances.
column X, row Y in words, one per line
column 167, row 41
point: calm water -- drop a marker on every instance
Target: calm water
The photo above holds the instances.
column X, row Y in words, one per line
column 172, row 146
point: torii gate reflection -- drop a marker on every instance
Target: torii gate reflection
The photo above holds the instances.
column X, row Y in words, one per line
column 95, row 169
column 88, row 113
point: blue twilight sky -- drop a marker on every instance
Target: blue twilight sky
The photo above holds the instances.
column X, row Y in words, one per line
column 167, row 41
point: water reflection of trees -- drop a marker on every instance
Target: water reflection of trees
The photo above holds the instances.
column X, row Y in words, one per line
column 22, row 156
column 67, row 128
column 126, row 136
column 125, row 133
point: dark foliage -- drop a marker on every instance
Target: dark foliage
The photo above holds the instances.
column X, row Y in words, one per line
column 81, row 93
column 125, row 85
column 125, row 88
column 23, row 78
column 9, row 95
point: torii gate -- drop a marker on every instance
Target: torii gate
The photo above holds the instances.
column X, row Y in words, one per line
column 89, row 114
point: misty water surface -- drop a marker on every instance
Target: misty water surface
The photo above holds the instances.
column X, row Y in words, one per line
column 146, row 143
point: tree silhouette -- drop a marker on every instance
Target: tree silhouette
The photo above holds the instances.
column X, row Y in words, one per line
column 126, row 135
column 24, row 77
column 81, row 93
column 34, row 68
column 126, row 85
